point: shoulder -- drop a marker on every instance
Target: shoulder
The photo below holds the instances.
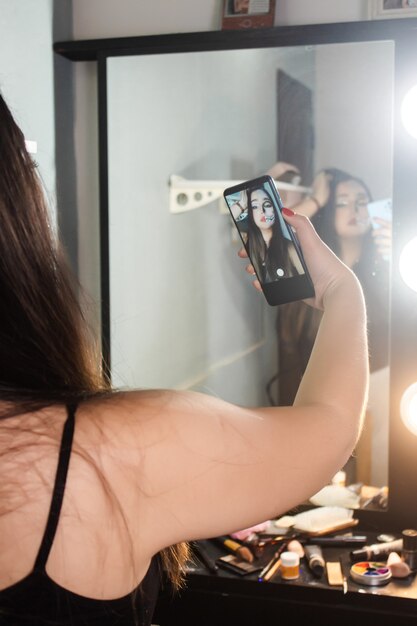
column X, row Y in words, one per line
column 138, row 421
column 145, row 450
column 125, row 408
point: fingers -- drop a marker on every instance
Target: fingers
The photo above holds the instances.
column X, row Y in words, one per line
column 382, row 234
column 383, row 241
column 250, row 269
column 325, row 269
column 383, row 237
column 386, row 224
column 280, row 168
column 304, row 229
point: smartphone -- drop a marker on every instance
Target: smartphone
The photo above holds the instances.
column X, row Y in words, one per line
column 382, row 209
column 272, row 247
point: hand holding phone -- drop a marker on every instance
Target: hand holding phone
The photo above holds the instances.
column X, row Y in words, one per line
column 328, row 273
column 269, row 242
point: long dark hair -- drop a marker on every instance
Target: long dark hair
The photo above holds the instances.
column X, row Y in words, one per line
column 324, row 219
column 266, row 259
column 47, row 353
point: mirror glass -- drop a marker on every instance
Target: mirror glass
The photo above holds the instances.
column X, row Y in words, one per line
column 183, row 311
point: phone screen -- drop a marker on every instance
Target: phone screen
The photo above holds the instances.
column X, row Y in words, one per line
column 381, row 209
column 273, row 250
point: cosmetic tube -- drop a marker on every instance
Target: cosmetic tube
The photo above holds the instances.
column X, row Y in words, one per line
column 315, row 560
column 341, row 541
column 376, row 550
column 409, row 551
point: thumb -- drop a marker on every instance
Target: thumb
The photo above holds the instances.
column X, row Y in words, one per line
column 305, row 231
column 324, row 266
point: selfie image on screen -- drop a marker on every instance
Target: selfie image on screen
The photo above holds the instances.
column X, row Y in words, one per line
column 265, row 233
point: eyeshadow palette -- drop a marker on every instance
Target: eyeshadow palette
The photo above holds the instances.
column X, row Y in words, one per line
column 370, row 573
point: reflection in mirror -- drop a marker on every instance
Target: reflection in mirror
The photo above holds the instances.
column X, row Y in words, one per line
column 233, row 115
column 350, row 207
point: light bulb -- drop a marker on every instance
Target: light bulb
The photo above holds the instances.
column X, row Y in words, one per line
column 408, row 408
column 408, row 264
column 409, row 111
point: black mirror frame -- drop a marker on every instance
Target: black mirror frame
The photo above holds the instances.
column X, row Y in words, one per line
column 402, row 510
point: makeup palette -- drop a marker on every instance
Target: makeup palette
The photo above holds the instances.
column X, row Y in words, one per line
column 370, row 573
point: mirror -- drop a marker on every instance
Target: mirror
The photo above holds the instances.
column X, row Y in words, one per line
column 193, row 320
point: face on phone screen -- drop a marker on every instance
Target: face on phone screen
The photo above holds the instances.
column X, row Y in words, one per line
column 268, row 242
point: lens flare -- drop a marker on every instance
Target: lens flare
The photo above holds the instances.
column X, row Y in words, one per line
column 408, row 264
column 409, row 111
column 408, row 408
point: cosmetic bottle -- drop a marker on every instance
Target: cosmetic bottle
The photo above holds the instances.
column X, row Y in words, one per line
column 315, row 560
column 290, row 565
column 376, row 551
column 409, row 551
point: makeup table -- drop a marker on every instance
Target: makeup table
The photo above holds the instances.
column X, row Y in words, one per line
column 227, row 599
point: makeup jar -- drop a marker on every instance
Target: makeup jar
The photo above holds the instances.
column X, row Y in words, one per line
column 290, row 565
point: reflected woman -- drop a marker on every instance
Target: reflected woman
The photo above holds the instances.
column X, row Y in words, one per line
column 338, row 208
column 271, row 251
column 342, row 219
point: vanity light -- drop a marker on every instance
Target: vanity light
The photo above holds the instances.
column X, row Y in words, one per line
column 409, row 111
column 408, row 408
column 408, row 264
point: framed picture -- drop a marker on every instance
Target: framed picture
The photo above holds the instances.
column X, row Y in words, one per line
column 390, row 9
column 242, row 14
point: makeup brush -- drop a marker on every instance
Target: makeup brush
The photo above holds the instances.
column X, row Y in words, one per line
column 243, row 552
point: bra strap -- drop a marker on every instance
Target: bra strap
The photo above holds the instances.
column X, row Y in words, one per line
column 58, row 491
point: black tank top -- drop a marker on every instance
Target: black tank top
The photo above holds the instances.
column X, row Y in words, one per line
column 39, row 601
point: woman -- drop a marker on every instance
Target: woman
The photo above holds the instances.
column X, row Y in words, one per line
column 96, row 484
column 338, row 209
column 271, row 251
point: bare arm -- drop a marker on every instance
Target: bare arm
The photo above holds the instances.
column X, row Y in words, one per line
column 318, row 197
column 188, row 466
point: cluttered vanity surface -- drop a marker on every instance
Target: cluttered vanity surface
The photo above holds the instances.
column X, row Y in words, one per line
column 294, row 568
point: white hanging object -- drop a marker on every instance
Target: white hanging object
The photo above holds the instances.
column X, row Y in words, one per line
column 186, row 195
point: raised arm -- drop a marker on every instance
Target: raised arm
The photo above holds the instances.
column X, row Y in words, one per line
column 187, row 466
column 313, row 202
column 328, row 378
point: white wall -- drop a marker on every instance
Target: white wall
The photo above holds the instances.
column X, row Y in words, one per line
column 26, row 76
column 291, row 12
column 107, row 18
column 354, row 111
